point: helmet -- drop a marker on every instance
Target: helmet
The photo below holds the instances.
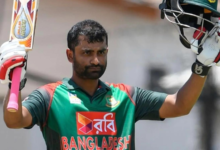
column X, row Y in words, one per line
column 198, row 15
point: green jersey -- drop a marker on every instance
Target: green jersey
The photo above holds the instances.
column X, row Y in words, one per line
column 70, row 119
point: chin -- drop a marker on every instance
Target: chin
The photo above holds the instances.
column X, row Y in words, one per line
column 94, row 77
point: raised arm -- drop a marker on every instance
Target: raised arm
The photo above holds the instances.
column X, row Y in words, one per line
column 12, row 55
column 182, row 102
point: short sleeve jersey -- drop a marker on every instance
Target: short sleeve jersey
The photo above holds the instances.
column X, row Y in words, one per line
column 70, row 119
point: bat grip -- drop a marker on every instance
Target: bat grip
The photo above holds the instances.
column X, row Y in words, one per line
column 14, row 93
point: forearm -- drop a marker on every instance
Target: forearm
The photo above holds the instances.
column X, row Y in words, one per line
column 187, row 96
column 12, row 118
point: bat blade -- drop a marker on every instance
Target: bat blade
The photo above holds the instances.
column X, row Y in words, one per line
column 24, row 17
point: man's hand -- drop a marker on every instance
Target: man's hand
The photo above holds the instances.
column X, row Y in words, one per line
column 12, row 55
column 208, row 54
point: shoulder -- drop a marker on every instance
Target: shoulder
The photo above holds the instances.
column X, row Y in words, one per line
column 50, row 86
column 122, row 87
column 44, row 92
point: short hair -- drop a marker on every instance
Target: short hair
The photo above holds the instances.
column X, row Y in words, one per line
column 93, row 30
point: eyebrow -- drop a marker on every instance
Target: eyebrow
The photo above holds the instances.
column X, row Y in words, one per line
column 87, row 49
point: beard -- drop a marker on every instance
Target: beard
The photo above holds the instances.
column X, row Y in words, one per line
column 89, row 72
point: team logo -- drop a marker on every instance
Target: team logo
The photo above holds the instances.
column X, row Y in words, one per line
column 96, row 123
column 74, row 99
column 212, row 1
column 111, row 101
column 198, row 69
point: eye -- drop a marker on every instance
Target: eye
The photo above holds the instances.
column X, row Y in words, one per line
column 87, row 52
column 102, row 52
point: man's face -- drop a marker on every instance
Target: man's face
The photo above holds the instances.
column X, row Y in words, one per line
column 90, row 59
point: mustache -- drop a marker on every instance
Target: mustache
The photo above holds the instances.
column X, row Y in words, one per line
column 93, row 66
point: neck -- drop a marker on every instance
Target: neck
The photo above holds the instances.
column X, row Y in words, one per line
column 88, row 85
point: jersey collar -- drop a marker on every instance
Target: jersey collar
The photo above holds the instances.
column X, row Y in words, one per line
column 71, row 85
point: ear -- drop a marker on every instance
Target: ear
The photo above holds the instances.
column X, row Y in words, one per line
column 69, row 54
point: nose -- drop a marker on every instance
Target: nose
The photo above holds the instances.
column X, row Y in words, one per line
column 95, row 60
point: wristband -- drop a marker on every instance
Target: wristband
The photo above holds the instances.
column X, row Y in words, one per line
column 200, row 69
column 22, row 84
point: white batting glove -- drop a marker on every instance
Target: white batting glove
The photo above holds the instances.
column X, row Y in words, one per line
column 209, row 51
column 12, row 55
column 208, row 55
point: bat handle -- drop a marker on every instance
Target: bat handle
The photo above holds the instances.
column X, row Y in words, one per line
column 14, row 93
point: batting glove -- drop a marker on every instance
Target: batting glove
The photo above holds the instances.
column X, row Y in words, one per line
column 12, row 55
column 207, row 55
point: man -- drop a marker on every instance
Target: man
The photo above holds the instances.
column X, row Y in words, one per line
column 82, row 112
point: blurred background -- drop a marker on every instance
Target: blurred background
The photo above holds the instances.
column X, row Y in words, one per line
column 144, row 51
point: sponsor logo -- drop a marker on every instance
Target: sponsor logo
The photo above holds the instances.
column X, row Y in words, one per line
column 85, row 122
column 74, row 99
column 111, row 101
column 96, row 123
column 96, row 142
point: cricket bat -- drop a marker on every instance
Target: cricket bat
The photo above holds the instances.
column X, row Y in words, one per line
column 24, row 16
